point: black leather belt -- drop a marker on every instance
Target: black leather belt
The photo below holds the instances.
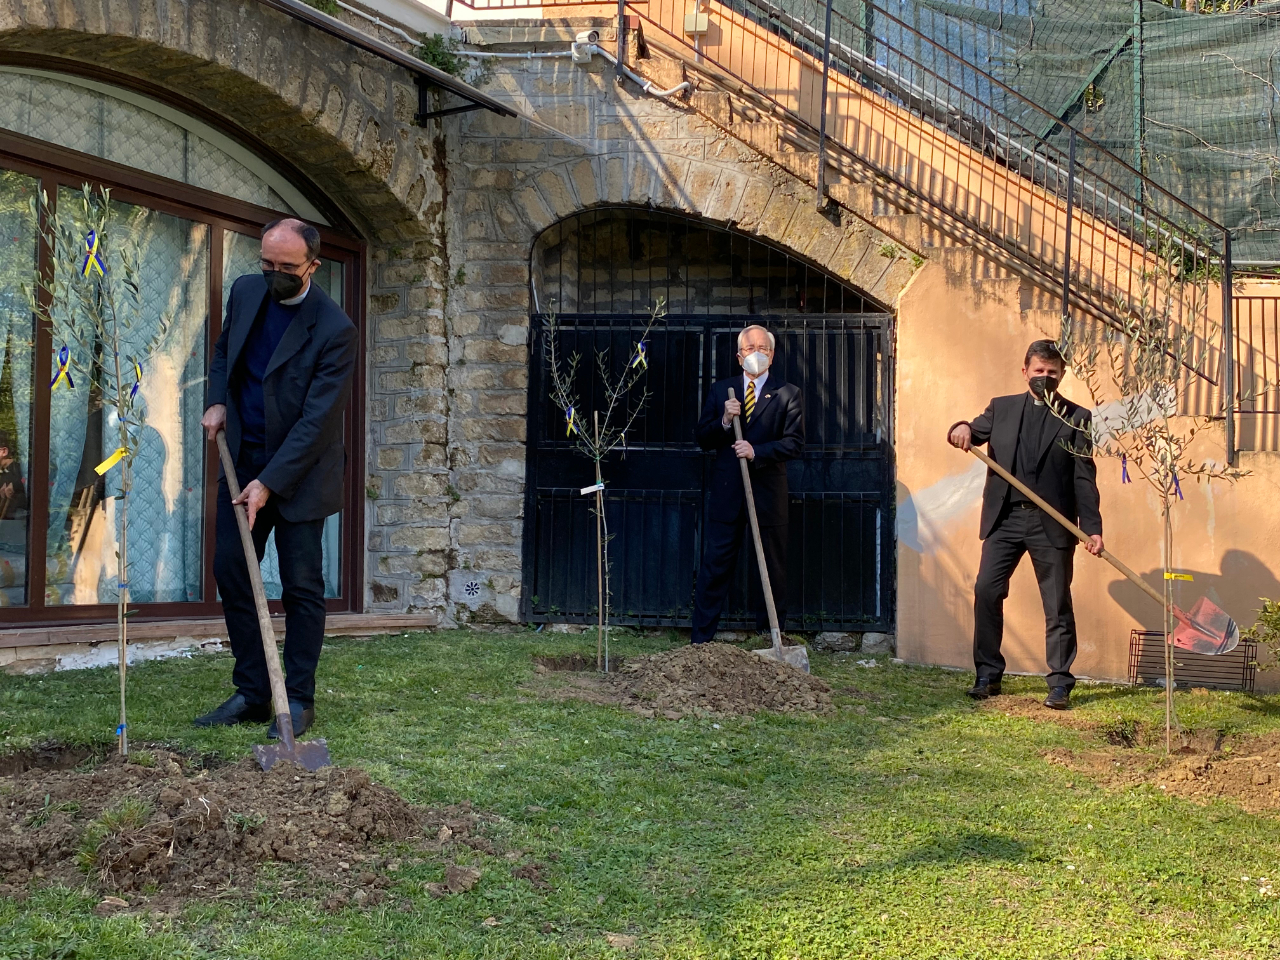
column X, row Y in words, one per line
column 1024, row 505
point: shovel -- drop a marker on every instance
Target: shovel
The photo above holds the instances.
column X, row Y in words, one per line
column 311, row 754
column 1207, row 629
column 797, row 656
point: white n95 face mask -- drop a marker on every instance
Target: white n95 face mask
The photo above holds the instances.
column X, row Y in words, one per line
column 756, row 363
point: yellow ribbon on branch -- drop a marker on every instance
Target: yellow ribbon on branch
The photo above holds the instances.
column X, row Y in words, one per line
column 111, row 461
column 1178, row 576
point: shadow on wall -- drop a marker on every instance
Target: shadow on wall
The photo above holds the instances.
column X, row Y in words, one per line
column 927, row 560
column 1237, row 589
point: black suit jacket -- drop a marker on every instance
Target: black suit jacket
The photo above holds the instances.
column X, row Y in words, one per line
column 1066, row 476
column 776, row 431
column 305, row 392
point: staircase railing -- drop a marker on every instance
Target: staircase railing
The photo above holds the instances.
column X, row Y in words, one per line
column 940, row 136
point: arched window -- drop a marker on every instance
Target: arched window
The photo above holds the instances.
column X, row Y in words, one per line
column 194, row 201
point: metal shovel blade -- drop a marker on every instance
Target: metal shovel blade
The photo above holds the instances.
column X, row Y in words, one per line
column 309, row 754
column 1207, row 629
column 797, row 657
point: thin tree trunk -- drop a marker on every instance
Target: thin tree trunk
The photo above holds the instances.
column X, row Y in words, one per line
column 1168, row 628
column 599, row 552
column 122, row 555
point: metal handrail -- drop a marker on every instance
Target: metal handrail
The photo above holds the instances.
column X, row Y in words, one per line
column 868, row 65
column 1147, row 241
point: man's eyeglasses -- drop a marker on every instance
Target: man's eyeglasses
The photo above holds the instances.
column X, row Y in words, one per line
column 284, row 267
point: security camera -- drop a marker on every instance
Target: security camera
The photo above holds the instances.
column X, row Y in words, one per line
column 588, row 36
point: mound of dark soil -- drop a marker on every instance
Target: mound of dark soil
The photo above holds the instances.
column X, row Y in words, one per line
column 157, row 824
column 708, row 678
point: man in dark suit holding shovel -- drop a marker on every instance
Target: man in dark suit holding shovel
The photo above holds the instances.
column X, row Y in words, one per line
column 1044, row 440
column 772, row 416
column 279, row 384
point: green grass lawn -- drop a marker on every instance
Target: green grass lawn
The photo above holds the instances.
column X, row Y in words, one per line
column 919, row 827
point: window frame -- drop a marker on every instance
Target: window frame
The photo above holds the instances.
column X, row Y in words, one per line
column 53, row 166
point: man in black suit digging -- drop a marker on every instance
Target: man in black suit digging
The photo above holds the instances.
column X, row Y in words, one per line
column 1050, row 451
column 772, row 433
column 279, row 384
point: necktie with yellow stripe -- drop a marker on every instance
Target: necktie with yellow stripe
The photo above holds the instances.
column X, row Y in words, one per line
column 749, row 405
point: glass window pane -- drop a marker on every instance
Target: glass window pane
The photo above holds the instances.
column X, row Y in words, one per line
column 240, row 256
column 119, row 125
column 166, row 504
column 17, row 269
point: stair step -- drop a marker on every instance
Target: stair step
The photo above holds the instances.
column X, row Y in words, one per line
column 857, row 198
column 762, row 135
column 905, row 228
column 714, row 105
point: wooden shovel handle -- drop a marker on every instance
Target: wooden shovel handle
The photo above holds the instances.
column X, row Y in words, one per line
column 1084, row 537
column 279, row 697
column 774, row 632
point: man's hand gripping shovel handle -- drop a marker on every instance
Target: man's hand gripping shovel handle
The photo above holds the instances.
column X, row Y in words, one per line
column 1083, row 537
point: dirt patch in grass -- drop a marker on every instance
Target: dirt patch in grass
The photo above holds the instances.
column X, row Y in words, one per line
column 1205, row 764
column 159, row 828
column 709, row 678
column 571, row 663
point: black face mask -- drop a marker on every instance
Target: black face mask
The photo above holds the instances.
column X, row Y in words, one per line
column 281, row 285
column 1041, row 386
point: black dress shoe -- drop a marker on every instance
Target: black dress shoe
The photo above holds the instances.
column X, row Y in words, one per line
column 235, row 710
column 984, row 688
column 1059, row 698
column 302, row 717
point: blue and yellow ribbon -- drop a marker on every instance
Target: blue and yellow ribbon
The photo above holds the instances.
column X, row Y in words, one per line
column 64, row 369
column 1177, row 486
column 1124, row 469
column 571, row 422
column 640, row 359
column 137, row 378
column 111, row 461
column 92, row 260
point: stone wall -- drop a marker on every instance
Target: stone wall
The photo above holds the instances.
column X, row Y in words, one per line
column 449, row 458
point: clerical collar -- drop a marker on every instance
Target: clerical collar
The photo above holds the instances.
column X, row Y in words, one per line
column 294, row 301
column 1038, row 403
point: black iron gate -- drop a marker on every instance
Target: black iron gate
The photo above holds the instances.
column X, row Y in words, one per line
column 841, row 551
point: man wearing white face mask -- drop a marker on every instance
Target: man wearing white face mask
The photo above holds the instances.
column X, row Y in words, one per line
column 772, row 417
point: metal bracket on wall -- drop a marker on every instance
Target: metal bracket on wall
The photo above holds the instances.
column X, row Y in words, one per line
column 425, row 91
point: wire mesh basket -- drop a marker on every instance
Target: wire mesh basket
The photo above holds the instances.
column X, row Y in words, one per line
column 1227, row 671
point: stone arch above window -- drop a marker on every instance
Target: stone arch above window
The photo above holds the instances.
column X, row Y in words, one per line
column 125, row 127
column 622, row 260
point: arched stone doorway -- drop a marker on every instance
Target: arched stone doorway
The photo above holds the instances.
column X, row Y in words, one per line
column 599, row 271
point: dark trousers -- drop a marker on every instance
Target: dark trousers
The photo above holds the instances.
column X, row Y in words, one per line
column 301, row 576
column 721, row 543
column 1022, row 531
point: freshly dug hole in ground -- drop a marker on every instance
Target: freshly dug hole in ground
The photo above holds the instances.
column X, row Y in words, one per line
column 695, row 679
column 1205, row 764
column 154, row 824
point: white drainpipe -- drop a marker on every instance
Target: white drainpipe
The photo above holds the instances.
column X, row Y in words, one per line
column 581, row 51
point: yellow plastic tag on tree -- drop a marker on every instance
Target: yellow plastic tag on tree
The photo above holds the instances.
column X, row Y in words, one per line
column 1178, row 576
column 110, row 462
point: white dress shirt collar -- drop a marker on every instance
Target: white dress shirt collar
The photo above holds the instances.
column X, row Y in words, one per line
column 759, row 381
